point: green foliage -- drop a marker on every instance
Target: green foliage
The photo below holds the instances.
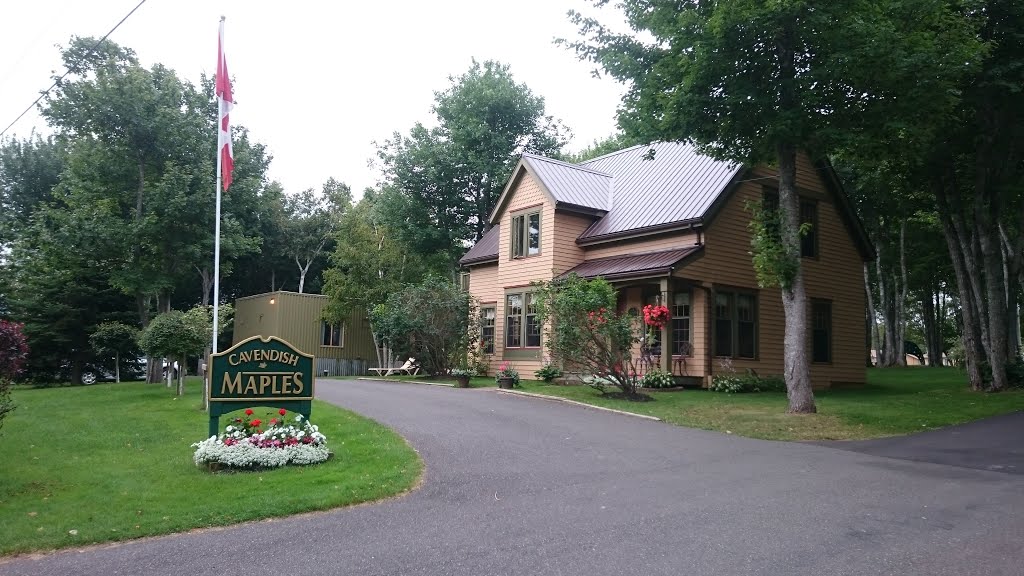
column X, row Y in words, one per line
column 735, row 383
column 506, row 370
column 443, row 182
column 584, row 329
column 173, row 335
column 613, row 143
column 310, row 222
column 428, row 321
column 369, row 263
column 774, row 265
column 657, row 379
column 548, row 372
column 112, row 338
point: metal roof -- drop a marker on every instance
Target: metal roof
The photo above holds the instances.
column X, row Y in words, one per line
column 677, row 185
column 485, row 249
column 572, row 184
column 632, row 265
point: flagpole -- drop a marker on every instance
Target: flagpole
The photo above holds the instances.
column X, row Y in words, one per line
column 216, row 227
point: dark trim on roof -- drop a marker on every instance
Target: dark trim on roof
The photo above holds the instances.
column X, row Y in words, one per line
column 686, row 254
column 585, row 210
column 720, row 202
column 847, row 212
column 480, row 260
column 641, row 232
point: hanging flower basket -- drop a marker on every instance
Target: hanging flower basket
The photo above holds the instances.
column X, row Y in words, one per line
column 656, row 316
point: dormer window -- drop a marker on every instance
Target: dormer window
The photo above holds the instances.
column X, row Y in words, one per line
column 525, row 231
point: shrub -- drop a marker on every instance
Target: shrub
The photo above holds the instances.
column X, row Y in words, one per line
column 740, row 383
column 585, row 328
column 463, row 372
column 13, row 353
column 657, row 379
column 548, row 372
column 429, row 321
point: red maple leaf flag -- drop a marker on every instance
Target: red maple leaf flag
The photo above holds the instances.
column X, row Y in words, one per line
column 225, row 101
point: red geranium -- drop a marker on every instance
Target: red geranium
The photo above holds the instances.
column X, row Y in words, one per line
column 282, row 411
column 656, row 315
column 255, row 423
column 248, row 411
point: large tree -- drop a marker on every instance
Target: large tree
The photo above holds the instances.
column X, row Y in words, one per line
column 757, row 82
column 310, row 222
column 447, row 179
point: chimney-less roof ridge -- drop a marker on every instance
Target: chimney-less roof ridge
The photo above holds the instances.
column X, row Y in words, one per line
column 567, row 164
column 624, row 150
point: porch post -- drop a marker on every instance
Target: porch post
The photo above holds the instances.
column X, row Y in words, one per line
column 666, row 330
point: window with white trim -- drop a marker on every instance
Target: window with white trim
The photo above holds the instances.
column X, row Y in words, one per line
column 525, row 235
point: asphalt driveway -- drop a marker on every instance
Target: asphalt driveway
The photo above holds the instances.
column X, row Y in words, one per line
column 524, row 486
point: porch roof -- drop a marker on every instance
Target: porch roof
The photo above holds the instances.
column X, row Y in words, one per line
column 644, row 264
column 485, row 249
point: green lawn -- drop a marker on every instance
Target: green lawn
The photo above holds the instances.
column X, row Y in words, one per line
column 110, row 462
column 894, row 401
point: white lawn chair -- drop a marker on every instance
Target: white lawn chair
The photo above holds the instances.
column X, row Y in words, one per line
column 410, row 367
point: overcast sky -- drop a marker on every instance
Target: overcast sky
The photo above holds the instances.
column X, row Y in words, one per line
column 319, row 81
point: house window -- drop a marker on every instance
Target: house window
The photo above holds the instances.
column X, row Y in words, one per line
column 525, row 240
column 809, row 241
column 464, row 281
column 332, row 335
column 522, row 326
column 736, row 325
column 723, row 324
column 821, row 331
column 487, row 317
column 808, row 215
column 680, row 323
column 513, row 321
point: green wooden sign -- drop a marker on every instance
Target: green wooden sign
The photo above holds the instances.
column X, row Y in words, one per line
column 260, row 372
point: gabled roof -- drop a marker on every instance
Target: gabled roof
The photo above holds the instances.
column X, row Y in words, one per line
column 640, row 265
column 571, row 184
column 677, row 185
column 486, row 249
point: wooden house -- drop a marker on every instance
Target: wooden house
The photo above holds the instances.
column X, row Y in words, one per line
column 672, row 229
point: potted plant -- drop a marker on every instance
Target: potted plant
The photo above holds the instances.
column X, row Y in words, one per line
column 507, row 377
column 462, row 375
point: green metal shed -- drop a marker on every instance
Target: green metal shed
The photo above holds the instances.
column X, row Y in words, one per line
column 345, row 350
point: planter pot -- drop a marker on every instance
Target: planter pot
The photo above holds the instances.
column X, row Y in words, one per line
column 506, row 383
column 462, row 381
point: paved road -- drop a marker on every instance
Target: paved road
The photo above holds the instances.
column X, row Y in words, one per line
column 989, row 444
column 525, row 486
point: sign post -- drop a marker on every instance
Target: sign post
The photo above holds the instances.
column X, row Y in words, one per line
column 260, row 372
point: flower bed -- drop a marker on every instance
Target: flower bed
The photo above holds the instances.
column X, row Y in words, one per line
column 246, row 445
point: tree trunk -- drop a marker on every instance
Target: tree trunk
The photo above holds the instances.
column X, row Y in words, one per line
column 969, row 312
column 872, row 317
column 302, row 272
column 796, row 367
column 181, row 376
column 901, row 300
column 117, row 367
column 207, row 279
column 928, row 316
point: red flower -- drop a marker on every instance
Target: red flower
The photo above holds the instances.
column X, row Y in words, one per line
column 282, row 411
column 248, row 411
column 273, row 420
column 255, row 423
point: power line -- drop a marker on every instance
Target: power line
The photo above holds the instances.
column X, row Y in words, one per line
column 66, row 72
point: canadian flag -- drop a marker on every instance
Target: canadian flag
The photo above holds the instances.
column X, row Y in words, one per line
column 225, row 101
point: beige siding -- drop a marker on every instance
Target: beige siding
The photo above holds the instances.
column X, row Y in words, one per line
column 484, row 286
column 567, row 228
column 670, row 241
column 295, row 318
column 835, row 275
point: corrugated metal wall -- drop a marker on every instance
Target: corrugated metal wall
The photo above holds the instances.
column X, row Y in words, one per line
column 295, row 318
